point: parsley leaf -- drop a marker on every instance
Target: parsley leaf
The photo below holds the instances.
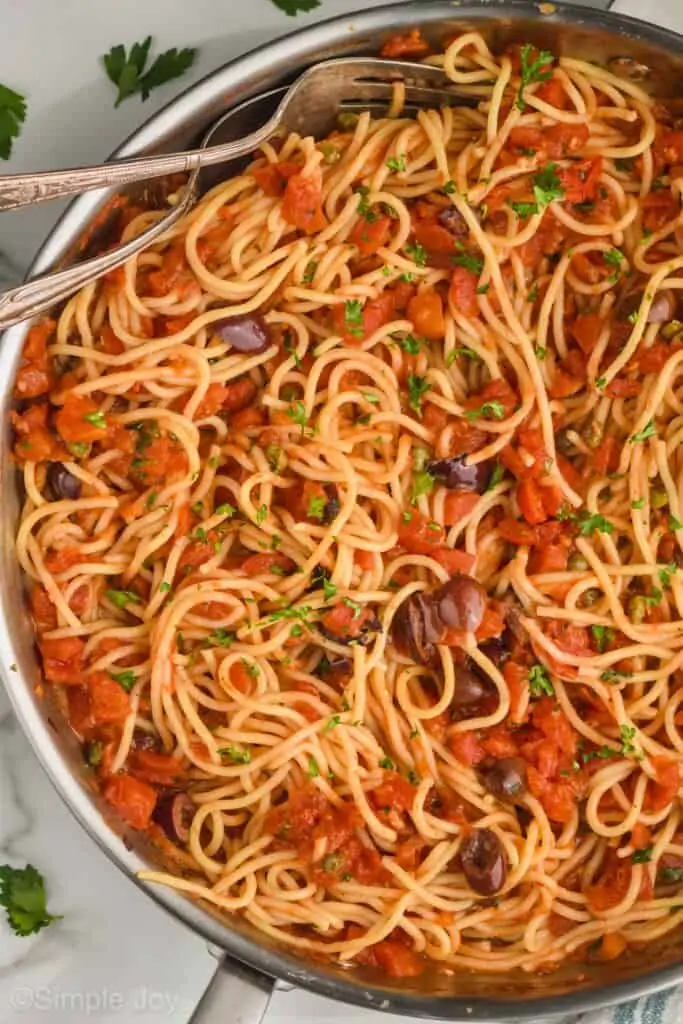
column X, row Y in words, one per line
column 532, row 69
column 643, row 856
column 236, row 754
column 469, row 261
column 628, row 747
column 666, row 573
column 411, row 345
column 313, row 770
column 494, row 409
column 316, row 508
column 293, row 7
column 220, row 638
column 96, row 418
column 417, row 389
column 329, row 589
column 297, row 414
column 22, row 894
column 125, row 679
column 539, row 684
column 675, row 524
column 602, row 636
column 547, row 186
column 642, row 435
column 12, row 116
column 121, row 598
column 417, row 253
column 127, row 70
column 496, row 476
column 396, row 163
column 590, row 522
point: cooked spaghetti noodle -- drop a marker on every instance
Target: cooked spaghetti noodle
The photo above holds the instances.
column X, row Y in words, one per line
column 353, row 525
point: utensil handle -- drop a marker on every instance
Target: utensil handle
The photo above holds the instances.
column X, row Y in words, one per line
column 25, row 189
column 41, row 293
column 236, row 995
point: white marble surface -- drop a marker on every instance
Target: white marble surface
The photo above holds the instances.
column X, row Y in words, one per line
column 115, row 956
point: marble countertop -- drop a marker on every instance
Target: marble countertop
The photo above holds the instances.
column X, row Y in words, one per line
column 102, row 962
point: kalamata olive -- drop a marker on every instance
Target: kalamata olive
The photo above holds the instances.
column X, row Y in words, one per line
column 483, row 861
column 454, row 222
column 457, row 474
column 629, row 67
column 660, row 312
column 497, row 649
column 505, row 778
column 146, row 740
column 245, row 333
column 461, row 602
column 174, row 813
column 368, row 630
column 332, row 505
column 469, row 688
column 62, row 484
column 333, row 666
column 416, row 628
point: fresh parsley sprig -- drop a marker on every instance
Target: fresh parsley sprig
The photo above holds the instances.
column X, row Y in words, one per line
column 22, row 894
column 126, row 70
column 12, row 116
column 293, row 7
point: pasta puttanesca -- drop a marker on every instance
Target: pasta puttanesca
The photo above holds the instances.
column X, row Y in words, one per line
column 353, row 522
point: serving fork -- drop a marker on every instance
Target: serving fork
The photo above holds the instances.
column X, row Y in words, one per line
column 309, row 106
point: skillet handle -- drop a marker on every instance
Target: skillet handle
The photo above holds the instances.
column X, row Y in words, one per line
column 236, row 994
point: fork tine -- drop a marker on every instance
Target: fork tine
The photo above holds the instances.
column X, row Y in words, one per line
column 361, row 68
column 418, row 95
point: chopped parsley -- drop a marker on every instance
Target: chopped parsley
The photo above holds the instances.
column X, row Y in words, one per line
column 628, row 747
column 493, row 409
column 611, row 675
column 417, row 253
column 329, row 589
column 12, row 116
column 602, row 636
column 411, row 344
column 353, row 317
column 532, row 69
column 124, row 679
column 539, row 683
column 642, row 435
column 316, row 508
column 396, row 163
column 666, row 573
column 309, row 272
column 423, row 483
column 449, row 188
column 675, row 524
column 297, row 414
column 614, row 257
column 220, row 638
column 387, row 764
column 121, row 598
column 313, row 771
column 589, row 522
column 417, row 389
column 238, row 755
column 332, row 723
column 469, row 261
column 643, row 856
column 96, row 418
column 496, row 476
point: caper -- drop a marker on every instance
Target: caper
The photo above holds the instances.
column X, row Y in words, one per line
column 637, row 609
column 658, row 497
column 670, row 330
column 577, row 563
column 592, row 434
column 591, row 596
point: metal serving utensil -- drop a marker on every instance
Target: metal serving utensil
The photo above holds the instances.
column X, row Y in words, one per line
column 310, row 106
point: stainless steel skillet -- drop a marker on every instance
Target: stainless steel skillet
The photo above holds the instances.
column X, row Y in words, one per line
column 251, row 961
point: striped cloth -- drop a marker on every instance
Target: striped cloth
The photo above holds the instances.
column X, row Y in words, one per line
column 663, row 1008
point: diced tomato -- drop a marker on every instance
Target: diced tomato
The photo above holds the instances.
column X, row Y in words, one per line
column 553, row 92
column 241, row 679
column 110, row 342
column 436, row 239
column 272, row 178
column 546, row 242
column 605, row 457
column 211, row 402
column 63, row 659
column 376, row 313
column 668, row 146
column 558, row 799
column 302, row 202
column 397, row 960
column 174, row 272
column 641, row 837
column 655, row 358
column 346, row 622
column 564, row 384
column 78, row 710
column 153, row 766
column 43, row 611
column 658, row 209
column 569, row 471
column 466, row 748
column 580, row 180
column 36, row 443
column 408, row 853
column 394, row 791
column 132, row 799
column 369, row 236
column 492, row 623
column 80, row 420
column 498, row 391
column 530, row 496
column 614, row 882
column 458, row 505
column 268, row 562
column 463, row 437
column 554, row 724
column 410, row 46
column 426, row 312
column 668, row 780
column 365, row 560
column 516, row 532
column 620, row 387
column 555, row 141
column 452, row 560
column 109, row 702
column 553, row 558
column 517, row 678
column 612, row 946
column 418, row 534
column 163, row 458
column 34, row 376
column 463, row 292
column 586, row 331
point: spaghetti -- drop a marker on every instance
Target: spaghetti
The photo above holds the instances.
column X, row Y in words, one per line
column 353, row 526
